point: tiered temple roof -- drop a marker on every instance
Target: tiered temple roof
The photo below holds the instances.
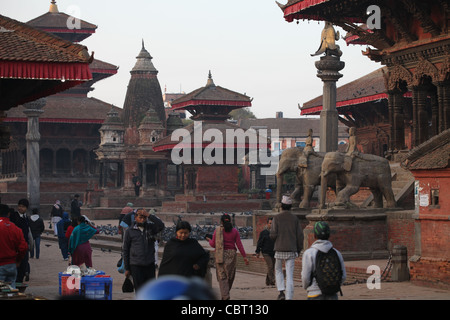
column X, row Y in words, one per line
column 211, row 101
column 63, row 25
column 32, row 55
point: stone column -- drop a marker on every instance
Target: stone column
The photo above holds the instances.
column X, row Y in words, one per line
column 144, row 174
column 328, row 70
column 446, row 105
column 415, row 130
column 422, row 115
column 396, row 105
column 33, row 111
column 434, row 111
column 440, row 101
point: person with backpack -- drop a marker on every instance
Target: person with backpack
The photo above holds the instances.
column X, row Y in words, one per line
column 323, row 269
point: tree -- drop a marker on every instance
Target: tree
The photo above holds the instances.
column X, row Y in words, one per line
column 242, row 113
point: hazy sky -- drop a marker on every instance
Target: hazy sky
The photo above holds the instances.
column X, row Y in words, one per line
column 247, row 45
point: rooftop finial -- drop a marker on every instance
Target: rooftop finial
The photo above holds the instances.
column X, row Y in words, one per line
column 210, row 81
column 143, row 47
column 53, row 7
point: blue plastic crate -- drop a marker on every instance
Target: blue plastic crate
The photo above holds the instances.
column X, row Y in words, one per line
column 97, row 287
column 64, row 289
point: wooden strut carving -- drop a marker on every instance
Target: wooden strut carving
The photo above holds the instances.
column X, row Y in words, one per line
column 425, row 68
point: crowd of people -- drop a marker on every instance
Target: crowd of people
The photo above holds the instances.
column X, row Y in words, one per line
column 184, row 258
column 20, row 238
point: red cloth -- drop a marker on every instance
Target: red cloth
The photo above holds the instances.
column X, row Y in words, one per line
column 13, row 246
column 230, row 241
column 83, row 254
column 69, row 231
column 45, row 70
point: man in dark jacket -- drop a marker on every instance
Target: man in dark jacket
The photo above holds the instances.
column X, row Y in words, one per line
column 139, row 247
column 265, row 246
column 36, row 227
column 75, row 205
column 20, row 219
column 287, row 233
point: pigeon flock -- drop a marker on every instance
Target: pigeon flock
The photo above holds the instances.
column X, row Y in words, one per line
column 198, row 232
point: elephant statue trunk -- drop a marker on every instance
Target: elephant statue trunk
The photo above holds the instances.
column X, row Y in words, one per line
column 323, row 189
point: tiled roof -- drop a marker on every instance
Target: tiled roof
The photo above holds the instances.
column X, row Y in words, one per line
column 432, row 154
column 58, row 20
column 102, row 66
column 290, row 127
column 289, row 3
column 370, row 85
column 210, row 93
column 20, row 42
column 71, row 109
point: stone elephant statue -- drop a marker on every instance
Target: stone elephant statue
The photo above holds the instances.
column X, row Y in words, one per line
column 307, row 167
column 355, row 171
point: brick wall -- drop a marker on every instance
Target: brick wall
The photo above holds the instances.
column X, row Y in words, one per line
column 401, row 230
column 210, row 177
column 430, row 272
column 357, row 235
column 431, row 267
column 435, row 236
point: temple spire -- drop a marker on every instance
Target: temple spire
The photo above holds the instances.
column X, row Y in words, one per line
column 210, row 82
column 144, row 61
column 53, row 7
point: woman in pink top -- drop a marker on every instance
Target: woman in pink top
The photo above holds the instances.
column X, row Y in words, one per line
column 225, row 239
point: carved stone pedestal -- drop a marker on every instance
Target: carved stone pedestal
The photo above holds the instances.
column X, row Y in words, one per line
column 357, row 234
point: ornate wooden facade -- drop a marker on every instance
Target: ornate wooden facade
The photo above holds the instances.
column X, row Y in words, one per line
column 413, row 41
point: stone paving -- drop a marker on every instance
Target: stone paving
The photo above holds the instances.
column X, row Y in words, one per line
column 247, row 286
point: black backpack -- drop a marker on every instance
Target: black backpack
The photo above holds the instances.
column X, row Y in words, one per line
column 328, row 272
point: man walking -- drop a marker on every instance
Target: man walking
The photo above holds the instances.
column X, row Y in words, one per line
column 75, row 207
column 265, row 247
column 13, row 247
column 323, row 270
column 20, row 219
column 287, row 233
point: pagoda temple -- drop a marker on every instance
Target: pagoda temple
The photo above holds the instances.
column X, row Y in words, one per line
column 411, row 38
column 69, row 122
column 210, row 178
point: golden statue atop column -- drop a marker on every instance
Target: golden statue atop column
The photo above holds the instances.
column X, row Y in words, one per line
column 328, row 44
